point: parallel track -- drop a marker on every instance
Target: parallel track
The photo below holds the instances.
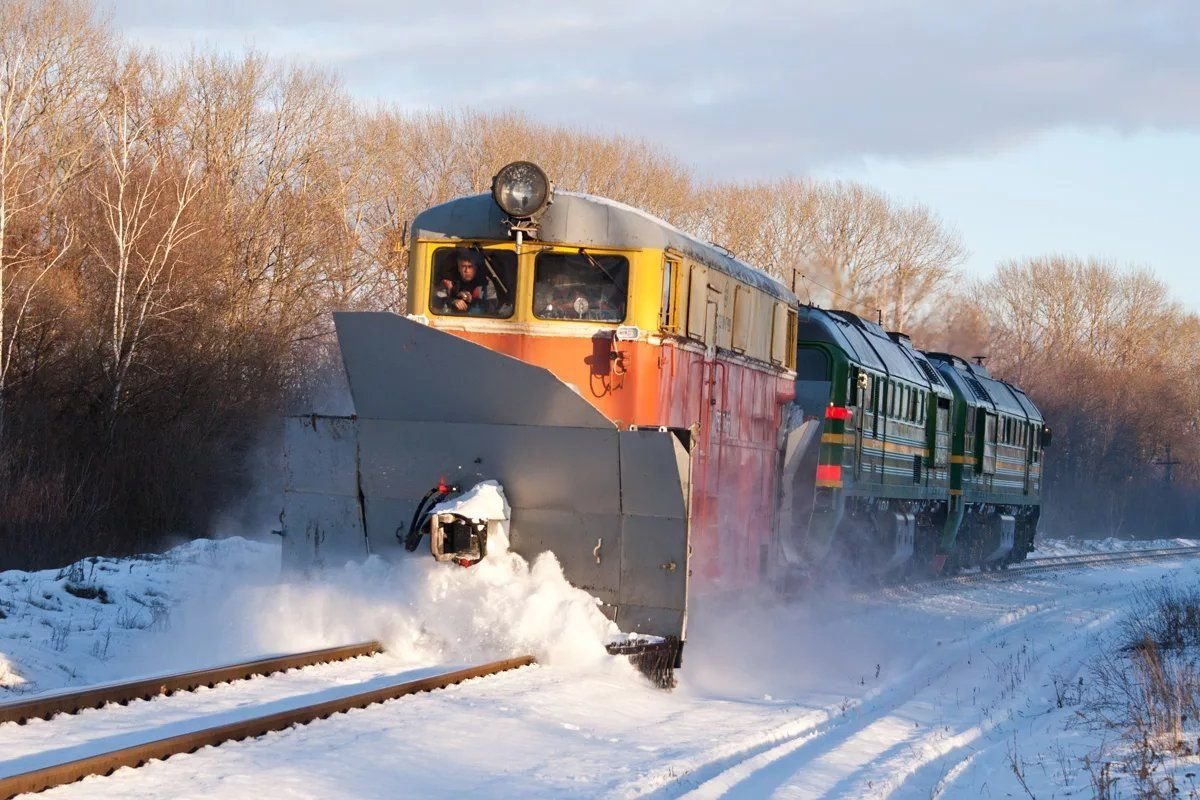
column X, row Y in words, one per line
column 139, row 754
column 1050, row 563
column 1089, row 559
column 95, row 697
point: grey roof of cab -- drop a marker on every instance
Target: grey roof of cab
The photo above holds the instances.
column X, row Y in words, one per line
column 586, row 220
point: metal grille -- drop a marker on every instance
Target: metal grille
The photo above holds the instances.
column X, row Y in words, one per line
column 977, row 388
column 930, row 372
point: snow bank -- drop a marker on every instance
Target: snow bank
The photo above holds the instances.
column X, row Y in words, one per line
column 427, row 612
column 210, row 602
column 90, row 622
column 8, row 677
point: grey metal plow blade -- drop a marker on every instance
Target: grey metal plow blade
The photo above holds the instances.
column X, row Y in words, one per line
column 611, row 505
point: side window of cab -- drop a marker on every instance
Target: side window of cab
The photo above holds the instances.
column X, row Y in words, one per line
column 469, row 281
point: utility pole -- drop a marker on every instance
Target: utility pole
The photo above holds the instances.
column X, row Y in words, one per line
column 1167, row 463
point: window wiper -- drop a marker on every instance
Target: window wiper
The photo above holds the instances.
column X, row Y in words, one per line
column 598, row 266
column 487, row 262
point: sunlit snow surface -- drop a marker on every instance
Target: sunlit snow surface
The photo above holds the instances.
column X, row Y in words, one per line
column 913, row 692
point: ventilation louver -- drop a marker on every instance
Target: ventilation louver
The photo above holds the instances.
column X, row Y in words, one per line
column 930, row 372
column 977, row 388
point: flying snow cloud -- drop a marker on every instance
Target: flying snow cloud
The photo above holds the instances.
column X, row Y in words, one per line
column 422, row 611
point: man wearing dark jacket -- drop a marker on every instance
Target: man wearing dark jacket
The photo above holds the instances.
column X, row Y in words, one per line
column 465, row 290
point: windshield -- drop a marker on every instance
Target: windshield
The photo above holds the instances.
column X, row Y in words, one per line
column 471, row 281
column 580, row 287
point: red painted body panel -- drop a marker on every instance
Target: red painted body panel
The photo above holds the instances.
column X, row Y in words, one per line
column 733, row 409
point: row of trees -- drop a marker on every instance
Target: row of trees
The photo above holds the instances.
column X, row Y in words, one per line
column 173, row 235
column 1114, row 362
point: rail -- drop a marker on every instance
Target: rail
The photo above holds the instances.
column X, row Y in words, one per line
column 1048, row 563
column 1088, row 559
column 94, row 697
column 139, row 754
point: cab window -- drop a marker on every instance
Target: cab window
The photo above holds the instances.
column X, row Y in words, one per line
column 473, row 282
column 580, row 286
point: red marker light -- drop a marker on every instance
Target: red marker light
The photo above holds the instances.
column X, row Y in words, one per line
column 829, row 472
column 838, row 413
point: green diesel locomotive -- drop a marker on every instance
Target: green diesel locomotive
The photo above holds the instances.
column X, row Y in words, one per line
column 924, row 462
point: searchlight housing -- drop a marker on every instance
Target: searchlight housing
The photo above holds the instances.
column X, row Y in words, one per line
column 522, row 191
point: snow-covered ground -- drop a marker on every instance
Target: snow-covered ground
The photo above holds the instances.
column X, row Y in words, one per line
column 1053, row 548
column 948, row 689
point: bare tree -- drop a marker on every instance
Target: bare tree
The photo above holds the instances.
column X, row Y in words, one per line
column 770, row 224
column 51, row 55
column 923, row 262
column 881, row 258
column 143, row 197
column 1111, row 359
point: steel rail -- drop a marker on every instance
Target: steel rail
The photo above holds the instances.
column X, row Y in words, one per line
column 1066, row 562
column 1088, row 559
column 95, row 697
column 140, row 754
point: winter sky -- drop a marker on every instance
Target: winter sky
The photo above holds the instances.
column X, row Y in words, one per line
column 1032, row 126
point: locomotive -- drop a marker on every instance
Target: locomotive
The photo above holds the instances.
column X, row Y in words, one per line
column 664, row 418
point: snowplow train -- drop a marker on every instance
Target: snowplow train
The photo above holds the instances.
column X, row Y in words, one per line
column 664, row 418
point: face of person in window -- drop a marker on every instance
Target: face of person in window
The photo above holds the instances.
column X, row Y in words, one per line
column 466, row 270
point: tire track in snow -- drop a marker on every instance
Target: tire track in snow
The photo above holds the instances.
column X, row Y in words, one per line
column 918, row 765
column 845, row 753
column 919, row 762
column 713, row 773
column 937, row 774
column 929, row 768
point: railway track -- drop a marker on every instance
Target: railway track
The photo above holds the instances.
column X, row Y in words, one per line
column 47, row 706
column 1050, row 563
column 136, row 755
column 1090, row 559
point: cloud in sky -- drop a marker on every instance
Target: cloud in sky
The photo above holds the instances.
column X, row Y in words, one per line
column 742, row 89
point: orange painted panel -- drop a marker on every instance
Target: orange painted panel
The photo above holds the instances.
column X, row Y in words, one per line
column 733, row 410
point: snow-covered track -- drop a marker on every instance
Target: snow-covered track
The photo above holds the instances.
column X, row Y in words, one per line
column 1091, row 559
column 140, row 754
column 1078, row 561
column 95, row 697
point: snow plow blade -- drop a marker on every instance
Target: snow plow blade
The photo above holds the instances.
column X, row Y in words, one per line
column 429, row 406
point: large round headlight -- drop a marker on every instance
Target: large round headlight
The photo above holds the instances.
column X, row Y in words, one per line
column 521, row 189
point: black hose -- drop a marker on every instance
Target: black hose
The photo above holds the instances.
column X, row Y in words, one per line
column 413, row 539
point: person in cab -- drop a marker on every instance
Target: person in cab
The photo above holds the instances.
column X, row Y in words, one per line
column 465, row 290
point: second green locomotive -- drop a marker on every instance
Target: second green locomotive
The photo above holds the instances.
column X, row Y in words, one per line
column 923, row 461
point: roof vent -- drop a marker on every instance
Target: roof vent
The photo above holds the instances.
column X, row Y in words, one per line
column 930, row 372
column 977, row 388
